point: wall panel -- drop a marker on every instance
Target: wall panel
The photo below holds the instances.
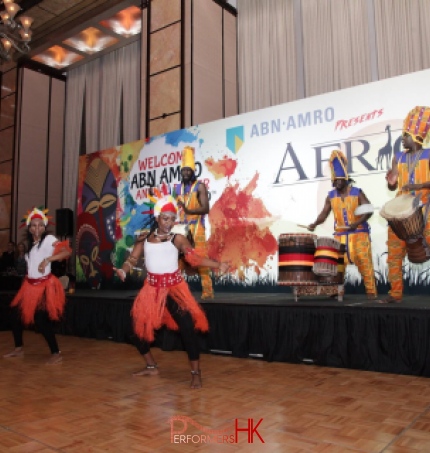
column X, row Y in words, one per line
column 230, row 65
column 207, row 62
column 56, row 145
column 39, row 144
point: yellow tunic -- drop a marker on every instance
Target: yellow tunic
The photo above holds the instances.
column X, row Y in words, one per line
column 357, row 242
column 196, row 225
column 413, row 169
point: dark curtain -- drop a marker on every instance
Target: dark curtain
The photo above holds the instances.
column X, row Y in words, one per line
column 390, row 339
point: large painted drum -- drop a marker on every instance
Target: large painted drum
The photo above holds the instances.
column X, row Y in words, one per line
column 405, row 217
column 296, row 259
column 338, row 278
column 326, row 257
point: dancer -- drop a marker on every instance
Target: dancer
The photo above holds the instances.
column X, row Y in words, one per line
column 165, row 298
column 351, row 230
column 409, row 173
column 41, row 298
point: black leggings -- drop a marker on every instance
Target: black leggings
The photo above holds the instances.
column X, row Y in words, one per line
column 186, row 328
column 43, row 324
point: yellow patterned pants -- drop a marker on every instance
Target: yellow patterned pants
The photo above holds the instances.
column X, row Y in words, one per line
column 359, row 252
column 396, row 254
column 204, row 272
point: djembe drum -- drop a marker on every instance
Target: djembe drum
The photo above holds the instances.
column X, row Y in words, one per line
column 338, row 278
column 296, row 259
column 405, row 217
column 326, row 257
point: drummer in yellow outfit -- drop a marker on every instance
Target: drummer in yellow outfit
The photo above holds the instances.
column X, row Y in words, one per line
column 350, row 229
column 409, row 173
column 193, row 201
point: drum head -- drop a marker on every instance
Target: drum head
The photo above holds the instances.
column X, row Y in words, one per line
column 400, row 207
column 364, row 209
column 324, row 241
column 298, row 235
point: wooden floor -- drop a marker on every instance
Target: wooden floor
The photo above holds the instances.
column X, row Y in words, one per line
column 91, row 403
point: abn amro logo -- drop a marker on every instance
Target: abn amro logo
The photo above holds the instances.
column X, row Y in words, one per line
column 235, row 138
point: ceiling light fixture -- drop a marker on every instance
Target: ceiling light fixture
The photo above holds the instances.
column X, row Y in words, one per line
column 14, row 34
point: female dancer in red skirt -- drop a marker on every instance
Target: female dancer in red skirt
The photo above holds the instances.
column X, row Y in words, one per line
column 41, row 298
column 165, row 298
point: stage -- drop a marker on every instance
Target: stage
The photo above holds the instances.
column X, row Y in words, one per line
column 355, row 333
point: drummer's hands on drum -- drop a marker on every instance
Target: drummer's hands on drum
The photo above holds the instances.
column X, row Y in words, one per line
column 311, row 227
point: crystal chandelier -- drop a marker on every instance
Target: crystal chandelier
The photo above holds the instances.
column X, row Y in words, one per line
column 14, row 36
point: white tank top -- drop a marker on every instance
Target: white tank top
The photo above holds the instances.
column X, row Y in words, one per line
column 38, row 254
column 161, row 257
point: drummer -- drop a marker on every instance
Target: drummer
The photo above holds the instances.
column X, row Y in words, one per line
column 409, row 173
column 350, row 229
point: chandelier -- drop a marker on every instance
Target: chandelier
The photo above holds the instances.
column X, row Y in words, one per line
column 14, row 36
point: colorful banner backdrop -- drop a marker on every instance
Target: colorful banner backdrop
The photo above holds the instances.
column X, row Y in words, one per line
column 266, row 172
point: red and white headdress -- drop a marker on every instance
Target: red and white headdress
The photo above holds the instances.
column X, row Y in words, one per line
column 36, row 213
column 165, row 204
column 160, row 200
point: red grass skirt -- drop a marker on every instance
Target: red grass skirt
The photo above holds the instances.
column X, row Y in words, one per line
column 45, row 295
column 149, row 309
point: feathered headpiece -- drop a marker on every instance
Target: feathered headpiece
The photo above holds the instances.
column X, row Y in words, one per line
column 36, row 213
column 161, row 201
column 188, row 159
column 338, row 165
column 417, row 124
column 165, row 204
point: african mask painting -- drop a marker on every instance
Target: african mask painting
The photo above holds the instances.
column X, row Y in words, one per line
column 96, row 224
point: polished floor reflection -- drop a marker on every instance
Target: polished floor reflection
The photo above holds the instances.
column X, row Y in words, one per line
column 91, row 403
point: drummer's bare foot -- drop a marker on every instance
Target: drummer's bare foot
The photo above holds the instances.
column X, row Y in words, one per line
column 149, row 370
column 389, row 300
column 196, row 379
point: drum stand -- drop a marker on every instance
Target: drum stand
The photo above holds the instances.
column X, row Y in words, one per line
column 319, row 290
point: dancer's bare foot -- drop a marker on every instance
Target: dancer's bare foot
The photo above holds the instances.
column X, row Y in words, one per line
column 55, row 359
column 17, row 352
column 196, row 379
column 389, row 300
column 149, row 370
column 371, row 296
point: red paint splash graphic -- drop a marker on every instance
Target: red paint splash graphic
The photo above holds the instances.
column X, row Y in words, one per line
column 237, row 235
column 221, row 168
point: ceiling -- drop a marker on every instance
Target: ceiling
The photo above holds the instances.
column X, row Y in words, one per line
column 67, row 33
